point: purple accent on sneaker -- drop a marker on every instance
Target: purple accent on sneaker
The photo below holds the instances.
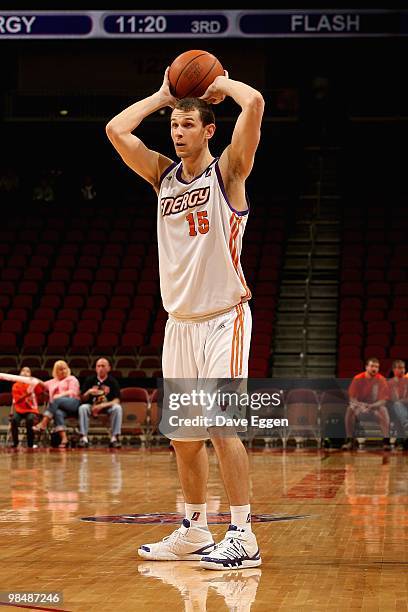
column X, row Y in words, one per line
column 203, row 549
column 146, row 548
column 232, row 562
column 186, row 523
column 232, row 528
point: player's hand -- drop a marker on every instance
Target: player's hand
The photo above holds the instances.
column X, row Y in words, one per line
column 164, row 90
column 215, row 92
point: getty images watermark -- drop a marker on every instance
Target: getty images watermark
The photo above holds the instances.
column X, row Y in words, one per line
column 223, row 409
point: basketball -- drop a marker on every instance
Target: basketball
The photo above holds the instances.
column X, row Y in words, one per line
column 192, row 72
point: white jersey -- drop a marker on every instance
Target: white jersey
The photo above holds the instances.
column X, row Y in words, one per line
column 200, row 242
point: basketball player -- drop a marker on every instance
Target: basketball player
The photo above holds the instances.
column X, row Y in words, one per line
column 202, row 213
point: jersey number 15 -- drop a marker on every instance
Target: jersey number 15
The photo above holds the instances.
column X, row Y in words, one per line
column 203, row 224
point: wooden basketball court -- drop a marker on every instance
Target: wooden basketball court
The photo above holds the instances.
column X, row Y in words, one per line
column 349, row 553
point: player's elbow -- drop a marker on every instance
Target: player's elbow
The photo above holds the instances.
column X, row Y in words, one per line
column 256, row 102
column 111, row 131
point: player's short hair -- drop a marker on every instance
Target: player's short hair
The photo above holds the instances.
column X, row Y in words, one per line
column 373, row 359
column 205, row 110
column 398, row 362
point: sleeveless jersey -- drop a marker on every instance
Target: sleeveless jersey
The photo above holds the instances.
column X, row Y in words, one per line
column 200, row 241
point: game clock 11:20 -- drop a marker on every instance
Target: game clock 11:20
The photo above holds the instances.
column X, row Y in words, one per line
column 165, row 24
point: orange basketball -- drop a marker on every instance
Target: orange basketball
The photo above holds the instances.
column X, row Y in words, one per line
column 192, row 72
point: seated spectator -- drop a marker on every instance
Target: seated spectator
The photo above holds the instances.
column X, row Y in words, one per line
column 88, row 191
column 100, row 395
column 25, row 404
column 398, row 390
column 9, row 186
column 368, row 393
column 64, row 394
column 44, row 191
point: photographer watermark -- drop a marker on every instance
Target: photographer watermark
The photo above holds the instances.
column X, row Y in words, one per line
column 190, row 408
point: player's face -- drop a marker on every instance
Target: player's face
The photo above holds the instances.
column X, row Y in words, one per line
column 25, row 372
column 399, row 371
column 372, row 368
column 187, row 132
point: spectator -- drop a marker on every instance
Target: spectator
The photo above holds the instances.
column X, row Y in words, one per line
column 64, row 394
column 43, row 192
column 368, row 392
column 398, row 390
column 25, row 404
column 101, row 394
column 9, row 186
column 88, row 191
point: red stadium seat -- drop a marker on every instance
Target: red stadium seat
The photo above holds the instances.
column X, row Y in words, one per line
column 69, row 314
column 92, row 249
column 50, row 301
column 33, row 343
column 399, row 351
column 44, row 313
column 13, row 326
column 379, row 327
column 89, row 326
column 147, row 288
column 101, row 288
column 373, row 315
column 82, row 343
column 23, row 301
column 375, row 350
column 97, row 301
column 349, row 351
column 118, row 314
column 106, row 342
column 377, row 303
column 78, row 288
column 106, row 275
column 74, row 301
column 92, row 313
column 33, row 274
column 61, row 274
column 54, row 288
column 135, row 402
column 112, row 326
column 378, row 339
column 63, row 325
column 83, row 275
column 57, row 343
column 353, row 339
column 29, row 288
column 18, row 314
column 40, row 325
column 136, row 374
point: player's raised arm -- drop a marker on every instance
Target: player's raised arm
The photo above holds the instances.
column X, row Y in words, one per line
column 238, row 158
column 147, row 163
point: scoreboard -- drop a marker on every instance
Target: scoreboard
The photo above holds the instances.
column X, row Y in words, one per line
column 203, row 24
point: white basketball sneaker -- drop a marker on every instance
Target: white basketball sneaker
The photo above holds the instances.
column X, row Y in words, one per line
column 185, row 544
column 238, row 549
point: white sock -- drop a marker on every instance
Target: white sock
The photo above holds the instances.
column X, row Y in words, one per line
column 197, row 515
column 241, row 517
column 84, row 438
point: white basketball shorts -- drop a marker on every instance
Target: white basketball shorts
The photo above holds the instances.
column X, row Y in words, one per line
column 217, row 348
column 206, row 357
